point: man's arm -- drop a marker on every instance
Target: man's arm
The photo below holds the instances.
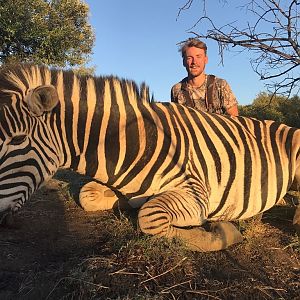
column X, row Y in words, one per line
column 233, row 111
column 229, row 100
column 173, row 98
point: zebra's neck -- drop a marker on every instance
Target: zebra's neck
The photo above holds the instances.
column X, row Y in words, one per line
column 102, row 128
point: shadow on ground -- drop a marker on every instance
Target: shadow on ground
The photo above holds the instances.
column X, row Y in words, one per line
column 46, row 238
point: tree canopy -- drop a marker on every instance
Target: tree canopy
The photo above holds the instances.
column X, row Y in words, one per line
column 52, row 32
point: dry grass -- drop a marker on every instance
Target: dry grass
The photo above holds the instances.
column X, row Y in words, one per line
column 132, row 266
column 61, row 252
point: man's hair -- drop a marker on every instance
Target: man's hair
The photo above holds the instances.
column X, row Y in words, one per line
column 192, row 42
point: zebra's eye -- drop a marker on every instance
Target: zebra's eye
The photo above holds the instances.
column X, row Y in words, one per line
column 18, row 139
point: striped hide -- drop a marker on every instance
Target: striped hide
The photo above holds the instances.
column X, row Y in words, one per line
column 180, row 166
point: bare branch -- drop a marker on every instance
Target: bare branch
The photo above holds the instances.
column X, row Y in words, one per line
column 186, row 6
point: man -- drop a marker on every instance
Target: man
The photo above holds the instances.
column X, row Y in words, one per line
column 198, row 90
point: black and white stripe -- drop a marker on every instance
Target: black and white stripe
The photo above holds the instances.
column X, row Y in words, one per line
column 190, row 166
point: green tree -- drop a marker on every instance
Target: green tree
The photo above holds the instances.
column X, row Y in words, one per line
column 290, row 109
column 278, row 108
column 52, row 32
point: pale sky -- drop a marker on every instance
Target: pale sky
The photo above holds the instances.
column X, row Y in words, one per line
column 138, row 40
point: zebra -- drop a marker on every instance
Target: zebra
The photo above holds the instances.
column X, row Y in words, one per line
column 182, row 168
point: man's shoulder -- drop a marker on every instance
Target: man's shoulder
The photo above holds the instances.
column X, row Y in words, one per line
column 218, row 80
column 224, row 91
column 177, row 86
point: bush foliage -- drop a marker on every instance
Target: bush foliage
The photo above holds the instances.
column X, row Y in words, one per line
column 278, row 108
column 52, row 32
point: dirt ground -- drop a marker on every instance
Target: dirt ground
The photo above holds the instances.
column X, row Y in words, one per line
column 55, row 250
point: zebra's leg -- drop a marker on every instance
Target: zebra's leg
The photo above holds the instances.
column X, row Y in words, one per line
column 95, row 196
column 173, row 213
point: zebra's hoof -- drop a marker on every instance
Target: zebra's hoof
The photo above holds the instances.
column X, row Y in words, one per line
column 95, row 197
column 230, row 234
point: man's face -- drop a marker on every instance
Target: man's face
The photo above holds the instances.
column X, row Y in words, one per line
column 195, row 61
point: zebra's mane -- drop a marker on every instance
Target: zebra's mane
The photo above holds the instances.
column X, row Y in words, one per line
column 19, row 78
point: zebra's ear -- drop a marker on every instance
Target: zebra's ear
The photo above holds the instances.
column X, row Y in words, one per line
column 41, row 99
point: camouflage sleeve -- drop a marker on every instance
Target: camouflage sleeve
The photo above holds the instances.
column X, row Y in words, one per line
column 175, row 92
column 173, row 98
column 226, row 95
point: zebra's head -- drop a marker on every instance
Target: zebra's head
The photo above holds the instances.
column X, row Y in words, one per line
column 27, row 155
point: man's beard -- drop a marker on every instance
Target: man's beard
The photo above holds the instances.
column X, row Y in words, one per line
column 195, row 72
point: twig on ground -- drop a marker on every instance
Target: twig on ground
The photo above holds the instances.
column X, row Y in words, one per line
column 204, row 293
column 166, row 290
column 75, row 279
column 166, row 272
column 123, row 272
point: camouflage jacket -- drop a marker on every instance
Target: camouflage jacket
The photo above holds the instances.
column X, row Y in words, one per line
column 221, row 94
